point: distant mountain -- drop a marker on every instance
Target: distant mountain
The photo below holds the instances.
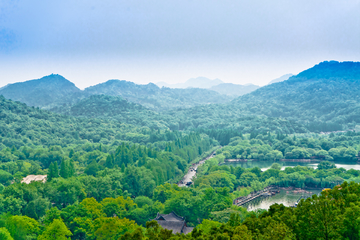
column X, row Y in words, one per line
column 199, row 82
column 280, row 79
column 53, row 91
column 122, row 88
column 326, row 96
column 234, row 89
column 43, row 92
column 153, row 97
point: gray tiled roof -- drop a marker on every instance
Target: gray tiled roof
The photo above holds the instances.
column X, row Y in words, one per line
column 175, row 226
column 187, row 230
column 169, row 217
column 173, row 222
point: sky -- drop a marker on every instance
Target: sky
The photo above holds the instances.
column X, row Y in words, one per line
column 237, row 41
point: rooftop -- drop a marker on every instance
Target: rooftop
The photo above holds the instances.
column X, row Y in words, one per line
column 28, row 179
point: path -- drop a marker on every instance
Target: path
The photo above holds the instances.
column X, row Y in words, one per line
column 192, row 171
column 268, row 191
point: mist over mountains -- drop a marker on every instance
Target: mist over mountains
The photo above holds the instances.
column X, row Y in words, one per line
column 322, row 98
column 54, row 90
column 216, row 85
column 199, row 82
column 282, row 78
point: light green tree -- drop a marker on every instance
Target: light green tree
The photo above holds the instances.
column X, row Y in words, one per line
column 57, row 230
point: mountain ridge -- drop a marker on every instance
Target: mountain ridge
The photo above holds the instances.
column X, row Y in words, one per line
column 54, row 90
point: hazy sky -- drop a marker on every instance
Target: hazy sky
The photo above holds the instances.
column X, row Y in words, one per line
column 173, row 40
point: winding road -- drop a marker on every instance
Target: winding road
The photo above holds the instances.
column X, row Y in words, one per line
column 191, row 174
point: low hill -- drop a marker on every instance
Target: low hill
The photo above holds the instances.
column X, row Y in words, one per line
column 21, row 125
column 234, row 89
column 44, row 92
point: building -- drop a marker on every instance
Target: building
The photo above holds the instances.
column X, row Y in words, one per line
column 30, row 178
column 173, row 222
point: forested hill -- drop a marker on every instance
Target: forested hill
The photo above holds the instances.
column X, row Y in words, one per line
column 21, row 125
column 156, row 98
column 116, row 108
column 54, row 90
column 44, row 92
column 325, row 96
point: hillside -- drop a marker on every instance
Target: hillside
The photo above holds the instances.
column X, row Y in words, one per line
column 234, row 89
column 44, row 92
column 55, row 91
column 153, row 97
column 326, row 97
column 116, row 108
column 322, row 98
column 21, row 125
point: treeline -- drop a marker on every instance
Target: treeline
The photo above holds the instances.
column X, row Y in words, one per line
column 242, row 181
column 339, row 147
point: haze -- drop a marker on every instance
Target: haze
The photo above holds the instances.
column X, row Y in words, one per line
column 151, row 41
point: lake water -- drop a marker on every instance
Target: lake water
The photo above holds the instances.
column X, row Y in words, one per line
column 287, row 198
column 265, row 165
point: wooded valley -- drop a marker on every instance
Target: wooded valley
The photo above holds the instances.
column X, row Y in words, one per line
column 114, row 154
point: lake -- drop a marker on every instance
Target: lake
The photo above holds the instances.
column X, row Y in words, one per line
column 265, row 165
column 287, row 198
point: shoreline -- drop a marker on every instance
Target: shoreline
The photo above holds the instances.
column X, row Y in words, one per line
column 280, row 160
column 271, row 191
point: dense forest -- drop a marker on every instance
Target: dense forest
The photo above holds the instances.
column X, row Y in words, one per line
column 112, row 157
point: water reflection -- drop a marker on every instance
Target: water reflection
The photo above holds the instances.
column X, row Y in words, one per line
column 285, row 197
column 265, row 165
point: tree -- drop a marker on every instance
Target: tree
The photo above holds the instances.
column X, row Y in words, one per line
column 92, row 168
column 53, row 171
column 22, row 227
column 71, row 168
column 278, row 231
column 5, row 177
column 64, row 169
column 275, row 166
column 326, row 165
column 4, row 234
column 57, row 230
column 113, row 228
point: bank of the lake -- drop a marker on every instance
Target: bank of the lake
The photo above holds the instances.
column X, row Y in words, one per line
column 265, row 165
column 286, row 197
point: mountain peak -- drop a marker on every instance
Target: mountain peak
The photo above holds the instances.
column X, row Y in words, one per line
column 332, row 70
column 40, row 92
